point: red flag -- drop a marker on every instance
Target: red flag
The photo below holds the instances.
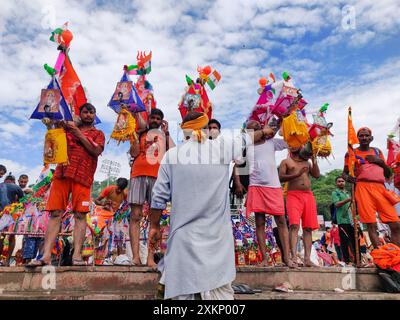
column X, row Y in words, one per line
column 351, row 140
column 393, row 151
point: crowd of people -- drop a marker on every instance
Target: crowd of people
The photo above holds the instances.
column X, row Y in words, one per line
column 194, row 178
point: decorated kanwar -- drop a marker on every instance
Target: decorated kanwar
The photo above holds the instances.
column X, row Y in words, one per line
column 245, row 152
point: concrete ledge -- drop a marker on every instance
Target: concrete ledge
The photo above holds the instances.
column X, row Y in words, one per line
column 80, row 279
column 266, row 295
column 319, row 295
column 143, row 280
column 324, row 278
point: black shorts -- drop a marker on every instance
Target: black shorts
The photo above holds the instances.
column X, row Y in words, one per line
column 363, row 249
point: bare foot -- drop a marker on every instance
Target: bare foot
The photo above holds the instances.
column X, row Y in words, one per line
column 136, row 262
column 291, row 264
column 151, row 264
column 308, row 264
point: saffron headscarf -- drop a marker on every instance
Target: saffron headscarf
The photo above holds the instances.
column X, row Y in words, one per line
column 196, row 125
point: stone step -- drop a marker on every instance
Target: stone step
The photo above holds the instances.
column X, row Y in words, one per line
column 143, row 280
column 311, row 279
column 265, row 295
column 78, row 295
column 319, row 295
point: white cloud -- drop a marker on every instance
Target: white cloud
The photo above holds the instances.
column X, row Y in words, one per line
column 360, row 39
column 242, row 40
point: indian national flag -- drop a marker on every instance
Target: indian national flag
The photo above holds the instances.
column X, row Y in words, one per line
column 213, row 79
column 146, row 68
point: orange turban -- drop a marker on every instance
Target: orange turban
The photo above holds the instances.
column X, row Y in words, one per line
column 364, row 128
column 196, row 125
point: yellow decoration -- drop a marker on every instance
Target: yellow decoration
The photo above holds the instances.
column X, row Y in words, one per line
column 294, row 132
column 55, row 147
column 125, row 127
column 87, row 250
column 322, row 146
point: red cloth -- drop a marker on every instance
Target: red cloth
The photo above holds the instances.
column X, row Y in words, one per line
column 335, row 236
column 365, row 171
column 301, row 205
column 82, row 165
column 265, row 199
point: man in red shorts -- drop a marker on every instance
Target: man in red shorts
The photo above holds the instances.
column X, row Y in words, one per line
column 265, row 194
column 85, row 144
column 371, row 195
column 300, row 202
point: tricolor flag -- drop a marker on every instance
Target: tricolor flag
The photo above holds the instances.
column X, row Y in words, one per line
column 213, row 79
column 351, row 140
column 147, row 67
column 56, row 34
column 136, row 70
column 44, row 178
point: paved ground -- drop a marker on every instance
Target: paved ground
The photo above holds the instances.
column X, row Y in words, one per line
column 265, row 295
column 319, row 295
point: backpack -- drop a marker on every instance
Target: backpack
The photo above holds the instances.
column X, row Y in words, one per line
column 333, row 210
column 4, row 201
column 323, row 239
column 390, row 280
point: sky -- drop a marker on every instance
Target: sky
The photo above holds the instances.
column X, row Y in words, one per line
column 345, row 53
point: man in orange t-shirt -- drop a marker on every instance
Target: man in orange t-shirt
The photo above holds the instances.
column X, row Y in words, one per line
column 112, row 196
column 147, row 153
column 370, row 193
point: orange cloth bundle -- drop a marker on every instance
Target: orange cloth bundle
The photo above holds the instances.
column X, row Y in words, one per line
column 387, row 257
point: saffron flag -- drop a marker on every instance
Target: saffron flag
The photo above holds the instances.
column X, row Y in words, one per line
column 351, row 140
column 213, row 79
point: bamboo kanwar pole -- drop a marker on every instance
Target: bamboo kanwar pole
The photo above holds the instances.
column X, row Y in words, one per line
column 353, row 212
column 353, row 188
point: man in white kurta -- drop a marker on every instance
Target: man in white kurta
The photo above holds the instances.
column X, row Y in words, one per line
column 200, row 249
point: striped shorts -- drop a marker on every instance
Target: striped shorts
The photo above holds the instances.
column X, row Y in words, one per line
column 140, row 190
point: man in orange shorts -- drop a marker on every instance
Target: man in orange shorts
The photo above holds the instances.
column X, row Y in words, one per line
column 85, row 144
column 300, row 202
column 371, row 195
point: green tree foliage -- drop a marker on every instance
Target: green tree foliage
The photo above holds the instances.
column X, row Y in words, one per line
column 100, row 185
column 322, row 189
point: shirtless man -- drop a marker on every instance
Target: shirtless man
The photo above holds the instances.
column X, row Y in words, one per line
column 300, row 202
